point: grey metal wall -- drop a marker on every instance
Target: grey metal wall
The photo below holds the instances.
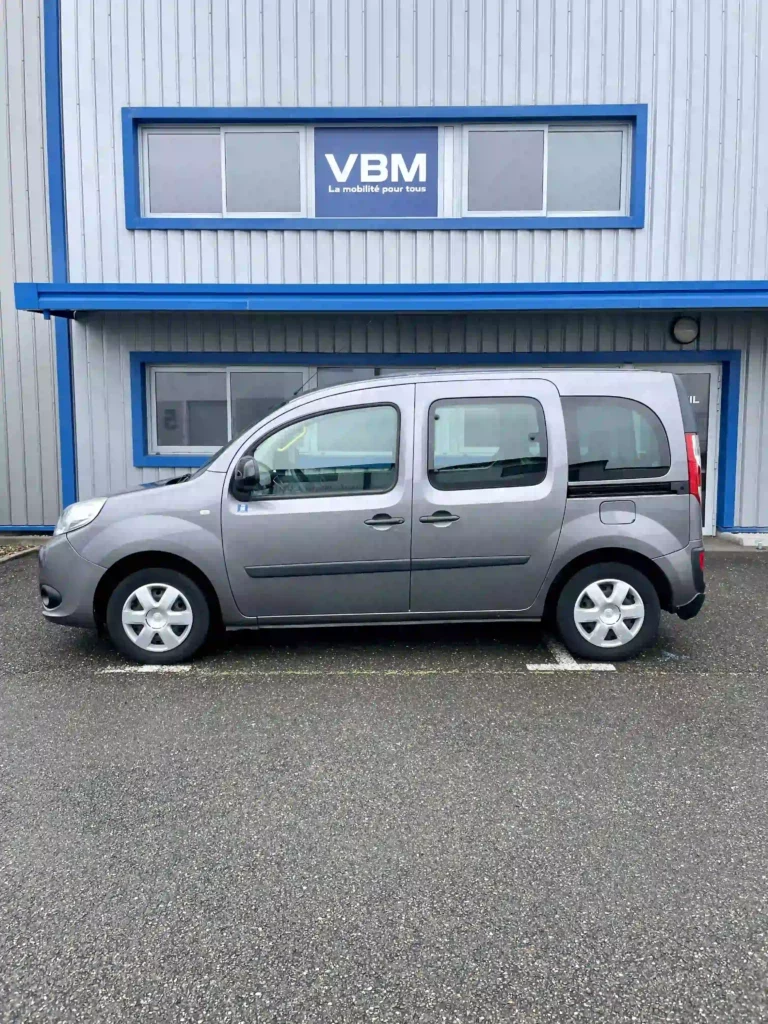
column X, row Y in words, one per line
column 701, row 65
column 102, row 344
column 29, row 462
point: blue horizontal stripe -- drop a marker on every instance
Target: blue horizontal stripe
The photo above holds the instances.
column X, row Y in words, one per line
column 62, row 297
column 26, row 529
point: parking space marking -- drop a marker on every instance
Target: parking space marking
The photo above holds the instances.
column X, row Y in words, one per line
column 564, row 662
column 120, row 669
column 321, row 670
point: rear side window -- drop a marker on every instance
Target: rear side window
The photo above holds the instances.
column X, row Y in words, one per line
column 487, row 442
column 614, row 439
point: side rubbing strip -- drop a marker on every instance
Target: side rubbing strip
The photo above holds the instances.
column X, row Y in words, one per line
column 327, row 568
column 469, row 563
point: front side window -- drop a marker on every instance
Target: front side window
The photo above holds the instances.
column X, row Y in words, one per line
column 494, row 442
column 613, row 439
column 352, row 451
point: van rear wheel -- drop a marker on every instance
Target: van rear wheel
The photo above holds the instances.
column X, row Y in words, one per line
column 158, row 617
column 608, row 612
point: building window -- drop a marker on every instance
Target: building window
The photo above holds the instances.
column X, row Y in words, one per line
column 547, row 170
column 219, row 171
column 190, row 410
column 505, row 170
column 479, row 443
column 614, row 439
column 587, row 170
column 440, row 172
column 194, row 410
column 170, row 187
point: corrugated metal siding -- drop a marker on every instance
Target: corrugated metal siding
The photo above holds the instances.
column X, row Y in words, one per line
column 103, row 343
column 29, row 464
column 701, row 66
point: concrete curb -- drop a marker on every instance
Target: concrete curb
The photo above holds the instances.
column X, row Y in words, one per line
column 18, row 554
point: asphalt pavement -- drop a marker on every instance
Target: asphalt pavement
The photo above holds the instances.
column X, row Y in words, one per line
column 385, row 825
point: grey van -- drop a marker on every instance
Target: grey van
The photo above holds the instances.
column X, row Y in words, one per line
column 569, row 496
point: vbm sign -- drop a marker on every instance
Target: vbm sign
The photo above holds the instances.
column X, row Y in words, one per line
column 375, row 172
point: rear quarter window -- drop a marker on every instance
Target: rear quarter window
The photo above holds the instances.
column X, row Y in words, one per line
column 614, row 439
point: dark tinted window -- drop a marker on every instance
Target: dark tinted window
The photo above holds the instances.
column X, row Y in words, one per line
column 487, row 442
column 352, row 451
column 614, row 439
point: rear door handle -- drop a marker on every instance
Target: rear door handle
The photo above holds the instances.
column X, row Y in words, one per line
column 441, row 518
column 382, row 521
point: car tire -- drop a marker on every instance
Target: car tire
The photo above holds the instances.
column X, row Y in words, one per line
column 165, row 611
column 624, row 624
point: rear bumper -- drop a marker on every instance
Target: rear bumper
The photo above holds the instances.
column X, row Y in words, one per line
column 67, row 583
column 685, row 578
column 688, row 611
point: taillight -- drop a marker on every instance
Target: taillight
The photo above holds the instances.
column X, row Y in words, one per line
column 701, row 560
column 694, row 465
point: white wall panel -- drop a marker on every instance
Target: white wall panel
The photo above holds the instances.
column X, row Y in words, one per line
column 702, row 67
column 29, row 464
column 103, row 343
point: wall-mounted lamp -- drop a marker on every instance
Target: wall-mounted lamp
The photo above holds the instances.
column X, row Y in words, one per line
column 685, row 330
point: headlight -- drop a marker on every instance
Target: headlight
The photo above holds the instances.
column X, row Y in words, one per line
column 79, row 514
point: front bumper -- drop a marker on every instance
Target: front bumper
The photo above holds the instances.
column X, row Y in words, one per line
column 69, row 582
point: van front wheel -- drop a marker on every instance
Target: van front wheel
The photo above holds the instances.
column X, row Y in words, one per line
column 158, row 616
column 608, row 612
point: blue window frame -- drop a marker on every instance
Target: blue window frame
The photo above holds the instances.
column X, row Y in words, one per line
column 457, row 213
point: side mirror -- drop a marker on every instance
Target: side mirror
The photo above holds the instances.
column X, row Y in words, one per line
column 250, row 476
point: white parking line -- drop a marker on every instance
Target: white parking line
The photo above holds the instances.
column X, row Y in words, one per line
column 122, row 669
column 564, row 662
column 321, row 670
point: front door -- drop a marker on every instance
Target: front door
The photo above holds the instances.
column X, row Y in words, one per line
column 490, row 479
column 329, row 535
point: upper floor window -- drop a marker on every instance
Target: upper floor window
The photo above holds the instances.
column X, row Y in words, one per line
column 477, row 173
column 546, row 170
column 217, row 171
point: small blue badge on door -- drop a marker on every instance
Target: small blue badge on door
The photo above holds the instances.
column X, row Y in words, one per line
column 242, row 508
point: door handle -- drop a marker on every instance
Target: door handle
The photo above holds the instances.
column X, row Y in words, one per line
column 441, row 518
column 383, row 521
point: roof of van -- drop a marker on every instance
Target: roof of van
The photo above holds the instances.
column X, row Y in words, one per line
column 566, row 380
